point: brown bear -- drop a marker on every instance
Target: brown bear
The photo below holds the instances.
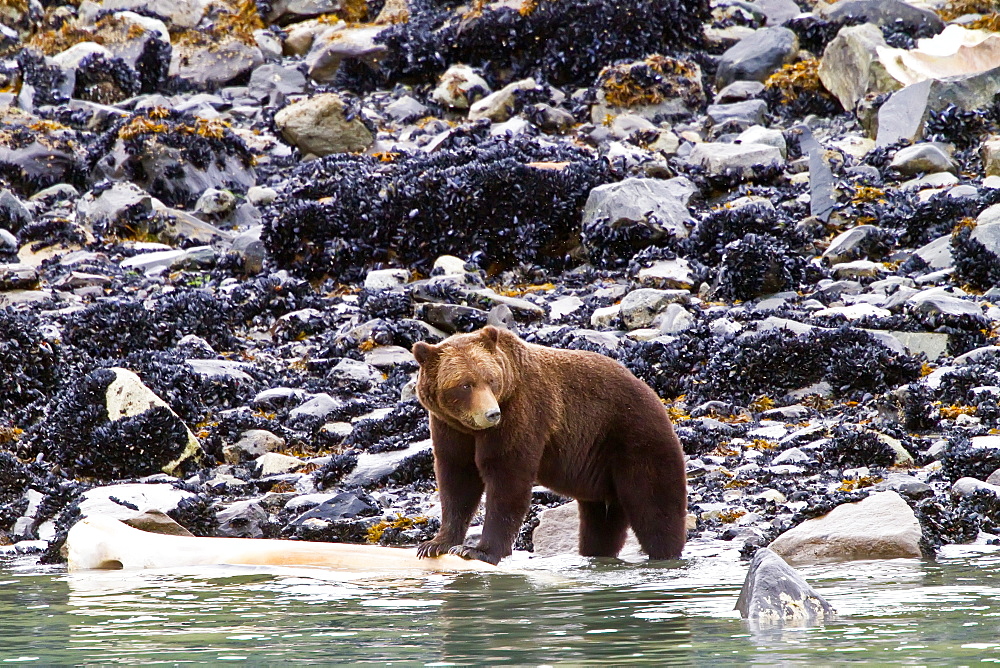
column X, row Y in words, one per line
column 506, row 414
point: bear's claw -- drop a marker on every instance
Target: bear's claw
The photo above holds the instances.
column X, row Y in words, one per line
column 467, row 552
column 431, row 549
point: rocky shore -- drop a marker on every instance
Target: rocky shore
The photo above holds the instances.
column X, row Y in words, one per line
column 223, row 224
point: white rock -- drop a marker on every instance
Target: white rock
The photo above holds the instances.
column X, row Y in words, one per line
column 380, row 279
column 274, row 463
column 145, row 496
column 459, row 87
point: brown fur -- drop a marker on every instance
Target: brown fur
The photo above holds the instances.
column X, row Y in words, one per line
column 577, row 422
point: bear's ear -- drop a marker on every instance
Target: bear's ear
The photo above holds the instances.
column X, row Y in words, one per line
column 424, row 352
column 491, row 335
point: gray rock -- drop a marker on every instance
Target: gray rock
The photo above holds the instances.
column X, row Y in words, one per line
column 717, row 157
column 386, row 357
column 121, row 204
column 291, row 11
column 674, row 320
column 882, row 526
column 382, row 279
column 558, row 532
column 755, row 57
column 937, row 302
column 450, row 317
column 922, row 158
column 144, row 496
column 406, row 109
column 551, row 119
column 274, row 83
column 667, row 274
column 242, row 519
column 319, row 126
column 850, row 68
column 739, row 91
column 744, row 114
column 777, row 11
column 317, row 406
column 640, row 307
column 655, row 204
column 851, row 244
column 969, row 486
column 902, row 116
column 13, row 213
column 209, row 64
column 180, row 13
column 331, row 48
column 352, row 373
column 937, row 253
column 774, row 592
column 758, row 134
column 883, row 13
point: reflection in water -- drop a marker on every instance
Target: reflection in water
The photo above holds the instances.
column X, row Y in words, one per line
column 557, row 611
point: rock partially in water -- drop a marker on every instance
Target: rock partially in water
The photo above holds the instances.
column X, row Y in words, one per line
column 882, row 526
column 776, row 593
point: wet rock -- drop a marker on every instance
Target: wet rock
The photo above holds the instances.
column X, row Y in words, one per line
column 667, row 274
column 406, row 109
column 320, row 125
column 850, row 68
column 775, row 592
column 922, row 158
column 882, row 526
column 115, row 209
column 755, row 57
column 343, row 506
column 459, row 87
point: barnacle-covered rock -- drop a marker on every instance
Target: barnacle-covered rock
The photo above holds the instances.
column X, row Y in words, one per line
column 758, row 265
column 29, row 364
column 172, row 158
column 778, row 361
column 974, row 250
column 110, row 426
column 658, row 87
column 566, row 42
column 36, row 153
column 514, row 201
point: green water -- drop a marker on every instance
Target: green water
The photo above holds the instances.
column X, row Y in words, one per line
column 567, row 611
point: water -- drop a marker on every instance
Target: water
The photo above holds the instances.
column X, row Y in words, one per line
column 558, row 611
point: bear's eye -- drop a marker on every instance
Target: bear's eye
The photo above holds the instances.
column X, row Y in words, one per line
column 466, row 387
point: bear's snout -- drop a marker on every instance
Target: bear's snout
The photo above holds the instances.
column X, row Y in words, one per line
column 492, row 416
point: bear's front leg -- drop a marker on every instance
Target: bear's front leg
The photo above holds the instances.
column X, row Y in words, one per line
column 507, row 502
column 459, row 486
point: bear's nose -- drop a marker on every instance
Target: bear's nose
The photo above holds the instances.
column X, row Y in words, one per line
column 493, row 415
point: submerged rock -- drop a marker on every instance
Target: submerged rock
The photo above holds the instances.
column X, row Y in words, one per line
column 774, row 592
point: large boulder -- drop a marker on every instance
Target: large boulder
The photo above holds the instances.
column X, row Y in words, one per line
column 657, row 204
column 850, row 68
column 775, row 592
column 882, row 526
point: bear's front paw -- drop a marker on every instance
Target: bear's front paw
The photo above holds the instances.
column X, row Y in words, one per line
column 467, row 552
column 430, row 549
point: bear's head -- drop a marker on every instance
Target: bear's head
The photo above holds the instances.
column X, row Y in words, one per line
column 464, row 379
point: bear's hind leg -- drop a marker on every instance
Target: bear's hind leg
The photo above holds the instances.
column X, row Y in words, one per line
column 602, row 528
